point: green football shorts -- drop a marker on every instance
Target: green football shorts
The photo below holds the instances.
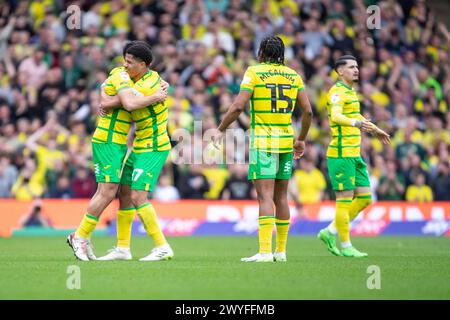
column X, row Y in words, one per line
column 108, row 159
column 270, row 165
column 141, row 170
column 348, row 173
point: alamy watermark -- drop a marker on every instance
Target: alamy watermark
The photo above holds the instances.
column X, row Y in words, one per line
column 236, row 146
column 73, row 281
column 198, row 147
column 374, row 17
column 374, row 280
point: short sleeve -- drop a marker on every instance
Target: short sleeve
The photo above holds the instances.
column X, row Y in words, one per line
column 248, row 81
column 108, row 87
column 121, row 80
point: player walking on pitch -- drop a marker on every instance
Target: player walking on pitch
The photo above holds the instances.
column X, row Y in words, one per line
column 273, row 90
column 347, row 169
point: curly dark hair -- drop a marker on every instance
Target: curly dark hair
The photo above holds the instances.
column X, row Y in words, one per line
column 271, row 50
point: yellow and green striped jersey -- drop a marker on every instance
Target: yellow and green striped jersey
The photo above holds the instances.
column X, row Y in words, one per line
column 151, row 121
column 115, row 125
column 346, row 140
column 275, row 88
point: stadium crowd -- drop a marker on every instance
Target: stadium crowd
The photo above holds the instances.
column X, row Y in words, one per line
column 50, row 78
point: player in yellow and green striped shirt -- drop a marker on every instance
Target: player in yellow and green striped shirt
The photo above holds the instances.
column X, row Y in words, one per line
column 150, row 150
column 109, row 150
column 347, row 169
column 273, row 91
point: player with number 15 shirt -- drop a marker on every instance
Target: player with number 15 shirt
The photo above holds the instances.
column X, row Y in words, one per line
column 273, row 91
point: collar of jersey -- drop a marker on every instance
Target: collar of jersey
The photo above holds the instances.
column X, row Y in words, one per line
column 147, row 74
column 343, row 84
column 271, row 64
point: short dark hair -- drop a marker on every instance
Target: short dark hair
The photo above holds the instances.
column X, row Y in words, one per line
column 130, row 43
column 142, row 52
column 342, row 61
column 271, row 50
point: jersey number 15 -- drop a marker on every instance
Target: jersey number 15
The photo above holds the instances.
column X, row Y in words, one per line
column 273, row 97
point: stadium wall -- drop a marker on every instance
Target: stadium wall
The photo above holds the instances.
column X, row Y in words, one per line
column 199, row 217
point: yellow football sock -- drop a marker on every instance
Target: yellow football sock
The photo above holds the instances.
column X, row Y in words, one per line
column 282, row 234
column 265, row 233
column 124, row 224
column 342, row 218
column 86, row 226
column 147, row 214
column 359, row 203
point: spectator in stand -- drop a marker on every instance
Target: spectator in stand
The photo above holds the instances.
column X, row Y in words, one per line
column 441, row 182
column 237, row 186
column 34, row 68
column 309, row 182
column 35, row 218
column 8, row 176
column 193, row 184
column 404, row 74
column 62, row 189
column 83, row 185
column 419, row 191
column 165, row 191
column 28, row 184
column 391, row 186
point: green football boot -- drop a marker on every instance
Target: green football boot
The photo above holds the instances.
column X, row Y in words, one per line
column 352, row 252
column 330, row 240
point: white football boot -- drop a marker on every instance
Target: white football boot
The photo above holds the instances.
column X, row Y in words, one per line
column 259, row 257
column 90, row 250
column 79, row 246
column 163, row 252
column 117, row 253
column 279, row 257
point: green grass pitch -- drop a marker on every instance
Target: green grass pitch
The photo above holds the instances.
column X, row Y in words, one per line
column 209, row 268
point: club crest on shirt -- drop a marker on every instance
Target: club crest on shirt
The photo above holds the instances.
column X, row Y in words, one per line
column 137, row 93
column 335, row 98
column 246, row 80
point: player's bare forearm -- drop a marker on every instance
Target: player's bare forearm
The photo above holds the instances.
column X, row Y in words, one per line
column 383, row 136
column 142, row 102
column 235, row 110
column 231, row 116
column 293, row 193
column 306, row 123
column 368, row 125
column 307, row 114
column 109, row 102
column 130, row 102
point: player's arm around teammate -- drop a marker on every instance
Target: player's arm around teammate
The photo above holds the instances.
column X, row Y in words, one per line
column 109, row 150
column 126, row 211
column 150, row 149
column 131, row 102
